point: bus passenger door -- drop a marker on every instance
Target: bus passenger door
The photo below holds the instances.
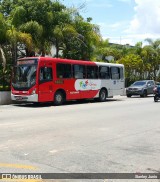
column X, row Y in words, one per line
column 117, row 77
column 45, row 90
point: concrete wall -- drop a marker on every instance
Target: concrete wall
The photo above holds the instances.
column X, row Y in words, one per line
column 5, row 97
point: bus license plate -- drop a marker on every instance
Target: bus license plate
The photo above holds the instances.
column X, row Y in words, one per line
column 20, row 98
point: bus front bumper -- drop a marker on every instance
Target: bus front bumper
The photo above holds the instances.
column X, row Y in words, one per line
column 25, row 98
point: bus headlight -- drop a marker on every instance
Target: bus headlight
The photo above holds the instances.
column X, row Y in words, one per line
column 34, row 91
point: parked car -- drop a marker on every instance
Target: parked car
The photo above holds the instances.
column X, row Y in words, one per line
column 142, row 88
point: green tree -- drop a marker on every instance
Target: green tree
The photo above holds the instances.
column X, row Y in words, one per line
column 83, row 44
column 133, row 66
column 151, row 56
column 3, row 30
column 4, row 71
column 16, row 37
column 55, row 25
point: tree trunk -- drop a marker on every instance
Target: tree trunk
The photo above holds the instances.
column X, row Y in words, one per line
column 2, row 57
column 43, row 52
column 27, row 52
column 57, row 49
column 30, row 53
column 154, row 73
column 14, row 53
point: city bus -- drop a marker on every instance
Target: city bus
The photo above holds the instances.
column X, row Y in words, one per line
column 45, row 79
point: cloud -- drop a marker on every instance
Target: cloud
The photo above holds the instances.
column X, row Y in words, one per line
column 109, row 30
column 131, row 39
column 147, row 17
column 123, row 40
column 113, row 27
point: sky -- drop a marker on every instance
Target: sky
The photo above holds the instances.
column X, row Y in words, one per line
column 122, row 21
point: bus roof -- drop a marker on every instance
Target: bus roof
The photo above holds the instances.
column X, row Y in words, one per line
column 109, row 64
column 71, row 61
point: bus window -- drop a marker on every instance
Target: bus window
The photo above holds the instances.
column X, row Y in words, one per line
column 46, row 74
column 121, row 73
column 92, row 72
column 63, row 70
column 115, row 73
column 79, row 71
column 104, row 72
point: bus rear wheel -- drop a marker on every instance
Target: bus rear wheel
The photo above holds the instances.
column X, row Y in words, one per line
column 58, row 98
column 102, row 95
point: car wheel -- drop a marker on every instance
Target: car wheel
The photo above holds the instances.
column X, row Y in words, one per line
column 144, row 93
column 102, row 95
column 58, row 98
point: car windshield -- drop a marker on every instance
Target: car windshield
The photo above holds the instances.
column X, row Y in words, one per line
column 140, row 83
column 24, row 77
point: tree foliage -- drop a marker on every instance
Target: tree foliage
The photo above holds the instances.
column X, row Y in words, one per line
column 29, row 28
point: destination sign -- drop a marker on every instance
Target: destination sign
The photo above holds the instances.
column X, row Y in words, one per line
column 29, row 61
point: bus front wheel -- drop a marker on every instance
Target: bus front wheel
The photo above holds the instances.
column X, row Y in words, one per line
column 102, row 95
column 58, row 98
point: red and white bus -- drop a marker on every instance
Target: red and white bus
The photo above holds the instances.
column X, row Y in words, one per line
column 44, row 79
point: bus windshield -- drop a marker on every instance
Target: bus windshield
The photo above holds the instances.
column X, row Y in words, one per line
column 24, row 77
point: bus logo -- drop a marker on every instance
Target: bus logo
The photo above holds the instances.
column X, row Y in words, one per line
column 83, row 84
column 87, row 84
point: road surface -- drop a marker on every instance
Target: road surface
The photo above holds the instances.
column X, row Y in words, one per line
column 119, row 135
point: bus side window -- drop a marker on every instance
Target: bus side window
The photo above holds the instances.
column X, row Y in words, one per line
column 63, row 70
column 104, row 72
column 92, row 72
column 115, row 73
column 121, row 73
column 79, row 71
column 45, row 74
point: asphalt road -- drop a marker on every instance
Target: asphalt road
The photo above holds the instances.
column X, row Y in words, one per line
column 119, row 135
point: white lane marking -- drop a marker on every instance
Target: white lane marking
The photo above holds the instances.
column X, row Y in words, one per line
column 53, row 151
column 7, row 124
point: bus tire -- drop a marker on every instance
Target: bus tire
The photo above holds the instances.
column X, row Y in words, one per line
column 58, row 98
column 128, row 95
column 102, row 95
